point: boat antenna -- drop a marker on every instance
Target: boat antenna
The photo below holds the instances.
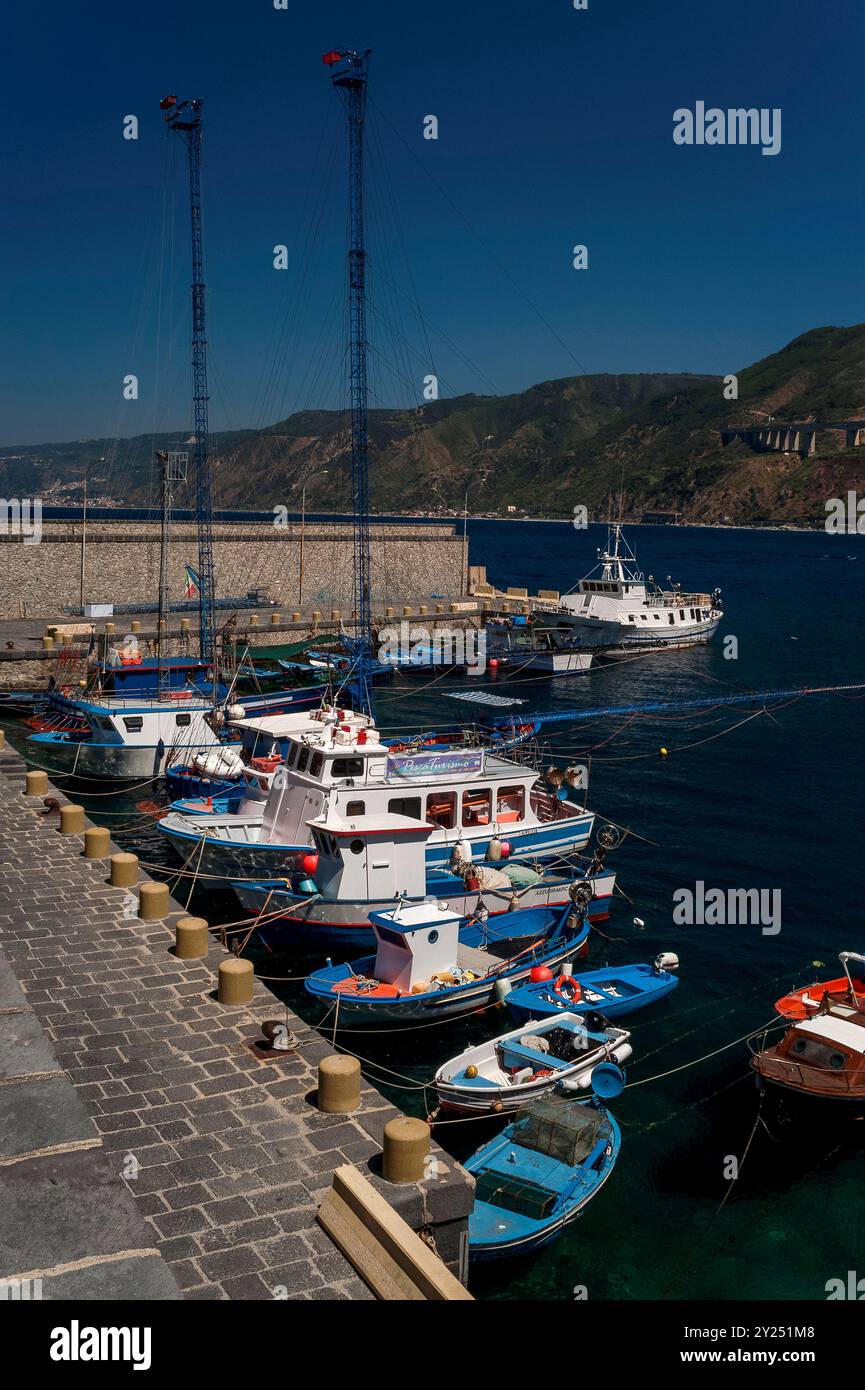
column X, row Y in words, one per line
column 349, row 76
column 184, row 117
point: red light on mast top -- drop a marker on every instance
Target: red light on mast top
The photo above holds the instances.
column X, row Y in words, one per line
column 334, row 56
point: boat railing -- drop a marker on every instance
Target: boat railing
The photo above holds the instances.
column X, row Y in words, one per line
column 676, row 599
column 809, row 1075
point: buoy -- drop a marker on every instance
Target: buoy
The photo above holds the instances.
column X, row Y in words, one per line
column 663, row 752
column 494, row 850
column 506, row 848
column 502, row 990
column 461, row 853
column 309, row 864
column 539, row 973
column 471, row 1071
column 638, row 922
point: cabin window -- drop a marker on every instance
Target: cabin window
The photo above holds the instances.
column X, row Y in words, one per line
column 441, row 809
column 346, row 767
column 681, row 615
column 477, row 807
column 818, row 1054
column 302, row 759
column 105, row 724
column 290, row 754
column 657, row 617
column 672, row 617
column 631, row 618
column 355, row 808
column 394, row 937
column 184, row 721
column 134, row 723
column 356, row 846
column 405, row 806
column 510, row 804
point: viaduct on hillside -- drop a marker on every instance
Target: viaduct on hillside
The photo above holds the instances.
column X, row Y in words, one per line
column 793, row 438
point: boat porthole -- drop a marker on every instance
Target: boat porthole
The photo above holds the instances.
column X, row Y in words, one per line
column 433, row 936
column 356, row 846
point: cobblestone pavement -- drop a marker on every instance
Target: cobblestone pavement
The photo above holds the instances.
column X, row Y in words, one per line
column 222, row 1151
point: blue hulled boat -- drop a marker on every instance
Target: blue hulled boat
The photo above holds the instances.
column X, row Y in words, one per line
column 541, row 1172
column 613, row 992
column 431, row 963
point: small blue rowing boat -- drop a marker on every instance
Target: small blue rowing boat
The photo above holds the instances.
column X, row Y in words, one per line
column 617, row 990
column 544, row 1168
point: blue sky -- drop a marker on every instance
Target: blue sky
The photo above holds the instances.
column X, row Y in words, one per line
column 555, row 128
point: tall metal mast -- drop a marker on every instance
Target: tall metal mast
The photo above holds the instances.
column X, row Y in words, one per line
column 185, row 118
column 350, row 76
column 173, row 469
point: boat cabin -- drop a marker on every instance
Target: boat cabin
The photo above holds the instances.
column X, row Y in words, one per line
column 820, row 1056
column 338, row 764
column 414, row 943
column 370, row 858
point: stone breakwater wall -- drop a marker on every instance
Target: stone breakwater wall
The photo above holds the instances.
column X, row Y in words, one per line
column 122, row 564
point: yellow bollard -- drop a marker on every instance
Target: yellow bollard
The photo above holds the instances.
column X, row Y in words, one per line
column 191, row 938
column 236, row 978
column 253, row 621
column 338, row 1085
column 97, row 842
column 109, row 629
column 295, row 617
column 2, row 739
column 185, row 625
column 36, row 784
column 47, row 643
column 135, row 625
column 405, row 1149
column 153, row 901
column 124, row 870
column 275, row 619
column 335, row 615
column 71, row 819
column 316, row 616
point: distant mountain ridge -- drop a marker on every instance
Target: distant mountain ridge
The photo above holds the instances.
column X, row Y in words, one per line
column 562, row 443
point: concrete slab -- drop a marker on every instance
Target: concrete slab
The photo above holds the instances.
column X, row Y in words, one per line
column 38, row 1115
column 65, row 1209
column 24, row 1048
column 12, row 995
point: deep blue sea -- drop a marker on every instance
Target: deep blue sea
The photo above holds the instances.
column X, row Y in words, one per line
column 772, row 802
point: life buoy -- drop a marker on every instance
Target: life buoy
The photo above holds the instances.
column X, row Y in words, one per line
column 566, row 984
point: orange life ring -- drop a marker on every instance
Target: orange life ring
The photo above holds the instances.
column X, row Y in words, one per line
column 567, row 984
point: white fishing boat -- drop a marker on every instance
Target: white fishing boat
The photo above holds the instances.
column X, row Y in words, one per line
column 505, row 1073
column 649, row 617
column 474, row 801
column 361, row 866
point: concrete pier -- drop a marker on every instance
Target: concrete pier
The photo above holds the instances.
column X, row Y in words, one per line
column 149, row 1149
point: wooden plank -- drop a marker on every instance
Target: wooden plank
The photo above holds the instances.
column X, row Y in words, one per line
column 382, row 1247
